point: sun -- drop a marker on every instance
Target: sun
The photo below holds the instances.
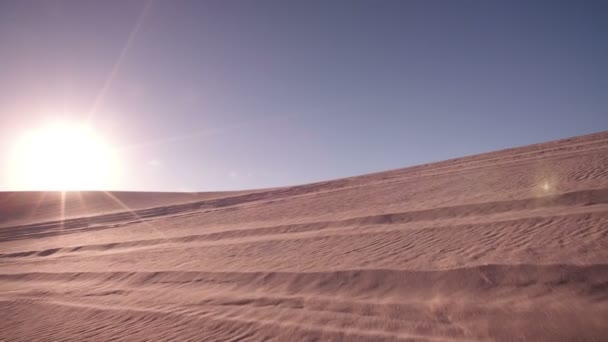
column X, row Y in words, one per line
column 63, row 156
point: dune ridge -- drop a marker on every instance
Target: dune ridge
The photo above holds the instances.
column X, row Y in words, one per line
column 509, row 245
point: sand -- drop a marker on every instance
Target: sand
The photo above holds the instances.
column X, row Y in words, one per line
column 504, row 246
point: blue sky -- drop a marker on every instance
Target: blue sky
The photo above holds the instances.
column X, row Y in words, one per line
column 223, row 95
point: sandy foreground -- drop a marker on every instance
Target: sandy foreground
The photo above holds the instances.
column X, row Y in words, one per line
column 509, row 245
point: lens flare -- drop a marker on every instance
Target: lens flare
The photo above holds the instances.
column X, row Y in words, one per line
column 546, row 186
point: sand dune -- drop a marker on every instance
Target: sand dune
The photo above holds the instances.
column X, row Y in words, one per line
column 504, row 246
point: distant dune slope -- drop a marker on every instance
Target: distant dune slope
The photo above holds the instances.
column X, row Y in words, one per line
column 504, row 246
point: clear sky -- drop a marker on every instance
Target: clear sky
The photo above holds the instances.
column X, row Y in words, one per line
column 218, row 95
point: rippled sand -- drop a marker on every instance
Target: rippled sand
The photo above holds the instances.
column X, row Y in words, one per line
column 508, row 245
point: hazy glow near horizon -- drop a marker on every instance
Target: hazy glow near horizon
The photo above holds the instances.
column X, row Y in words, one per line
column 63, row 157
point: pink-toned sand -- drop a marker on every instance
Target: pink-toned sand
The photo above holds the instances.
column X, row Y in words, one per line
column 508, row 246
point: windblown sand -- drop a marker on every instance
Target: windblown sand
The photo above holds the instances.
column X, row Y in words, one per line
column 510, row 245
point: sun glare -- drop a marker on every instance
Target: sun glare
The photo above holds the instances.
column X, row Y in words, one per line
column 63, row 157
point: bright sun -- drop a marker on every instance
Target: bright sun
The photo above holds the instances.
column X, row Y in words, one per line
column 63, row 157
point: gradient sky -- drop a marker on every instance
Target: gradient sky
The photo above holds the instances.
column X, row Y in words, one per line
column 218, row 95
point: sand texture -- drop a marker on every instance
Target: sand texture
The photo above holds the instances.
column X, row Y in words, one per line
column 504, row 246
